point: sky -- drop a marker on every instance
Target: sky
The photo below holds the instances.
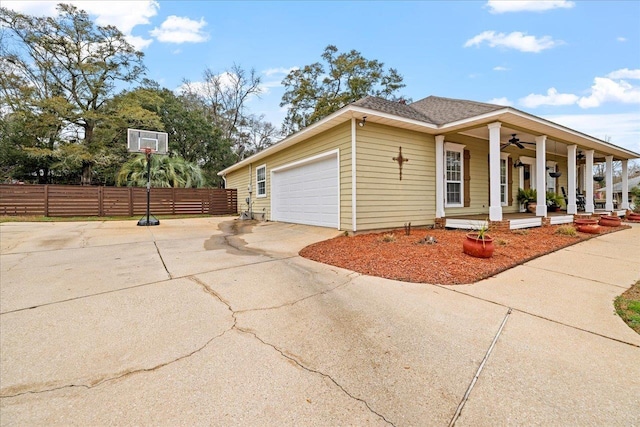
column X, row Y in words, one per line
column 576, row 63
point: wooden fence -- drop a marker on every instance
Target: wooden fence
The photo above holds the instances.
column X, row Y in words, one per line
column 71, row 200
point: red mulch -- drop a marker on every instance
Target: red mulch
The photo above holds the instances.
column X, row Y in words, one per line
column 443, row 262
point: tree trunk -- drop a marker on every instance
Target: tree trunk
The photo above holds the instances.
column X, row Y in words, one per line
column 86, row 174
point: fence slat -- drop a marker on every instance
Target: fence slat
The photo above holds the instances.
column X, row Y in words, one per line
column 71, row 200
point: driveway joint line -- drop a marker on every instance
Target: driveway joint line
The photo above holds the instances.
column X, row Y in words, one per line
column 479, row 371
column 540, row 317
column 578, row 277
column 162, row 259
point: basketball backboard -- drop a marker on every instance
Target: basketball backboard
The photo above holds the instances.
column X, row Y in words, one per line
column 138, row 140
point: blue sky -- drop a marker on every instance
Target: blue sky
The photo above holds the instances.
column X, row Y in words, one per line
column 576, row 63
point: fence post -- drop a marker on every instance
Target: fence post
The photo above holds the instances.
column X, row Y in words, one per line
column 100, row 201
column 46, row 200
column 130, row 201
column 173, row 200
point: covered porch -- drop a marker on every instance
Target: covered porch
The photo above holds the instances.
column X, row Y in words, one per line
column 523, row 151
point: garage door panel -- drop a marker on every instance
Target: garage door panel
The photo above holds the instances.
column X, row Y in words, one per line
column 307, row 194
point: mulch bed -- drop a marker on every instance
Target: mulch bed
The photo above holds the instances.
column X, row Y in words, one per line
column 407, row 260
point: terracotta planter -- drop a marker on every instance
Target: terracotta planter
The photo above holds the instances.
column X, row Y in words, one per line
column 531, row 207
column 478, row 247
column 633, row 217
column 589, row 228
column 585, row 221
column 610, row 221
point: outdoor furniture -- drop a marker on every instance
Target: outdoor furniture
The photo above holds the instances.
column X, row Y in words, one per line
column 581, row 202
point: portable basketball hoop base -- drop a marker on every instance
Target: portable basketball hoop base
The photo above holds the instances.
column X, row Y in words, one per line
column 147, row 221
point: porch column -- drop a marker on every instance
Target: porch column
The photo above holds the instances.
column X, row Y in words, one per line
column 609, row 177
column 541, row 173
column 495, row 207
column 625, row 185
column 588, row 172
column 572, row 207
column 440, row 176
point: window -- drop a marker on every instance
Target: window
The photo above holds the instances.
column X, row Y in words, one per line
column 261, row 181
column 504, row 178
column 551, row 181
column 454, row 174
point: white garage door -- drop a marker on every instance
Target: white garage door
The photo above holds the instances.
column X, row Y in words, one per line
column 308, row 193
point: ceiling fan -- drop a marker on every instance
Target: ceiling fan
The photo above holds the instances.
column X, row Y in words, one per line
column 515, row 141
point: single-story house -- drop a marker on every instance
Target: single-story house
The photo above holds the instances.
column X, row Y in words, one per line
column 377, row 164
column 617, row 190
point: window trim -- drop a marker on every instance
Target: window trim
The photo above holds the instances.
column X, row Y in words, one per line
column 458, row 148
column 258, row 195
column 504, row 157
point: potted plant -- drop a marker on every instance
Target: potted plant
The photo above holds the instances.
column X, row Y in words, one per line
column 528, row 198
column 554, row 201
column 478, row 243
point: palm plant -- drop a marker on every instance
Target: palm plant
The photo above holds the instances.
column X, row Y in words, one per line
column 166, row 171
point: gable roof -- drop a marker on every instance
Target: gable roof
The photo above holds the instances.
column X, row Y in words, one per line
column 436, row 115
column 617, row 187
column 392, row 107
column 447, row 110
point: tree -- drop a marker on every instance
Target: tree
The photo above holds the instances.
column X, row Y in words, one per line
column 66, row 67
column 166, row 171
column 223, row 99
column 317, row 90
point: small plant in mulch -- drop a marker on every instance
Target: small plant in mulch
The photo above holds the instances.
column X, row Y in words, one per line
column 567, row 230
column 388, row 237
column 428, row 240
column 501, row 242
column 521, row 232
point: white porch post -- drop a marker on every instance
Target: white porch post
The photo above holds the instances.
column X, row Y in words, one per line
column 625, row 185
column 495, row 207
column 440, row 176
column 541, row 173
column 588, row 172
column 572, row 207
column 609, row 203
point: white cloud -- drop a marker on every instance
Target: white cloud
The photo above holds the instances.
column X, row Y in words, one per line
column 608, row 90
column 624, row 73
column 500, row 68
column 622, row 39
column 177, row 29
column 124, row 15
column 624, row 128
column 504, row 6
column 280, row 70
column 501, row 101
column 515, row 40
column 551, row 98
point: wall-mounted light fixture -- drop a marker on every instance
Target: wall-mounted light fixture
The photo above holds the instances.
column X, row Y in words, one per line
column 518, row 164
column 363, row 121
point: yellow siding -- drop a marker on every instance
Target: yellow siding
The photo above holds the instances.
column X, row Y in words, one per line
column 337, row 138
column 383, row 200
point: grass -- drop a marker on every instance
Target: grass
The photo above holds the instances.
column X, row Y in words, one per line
column 567, row 230
column 34, row 218
column 388, row 237
column 628, row 306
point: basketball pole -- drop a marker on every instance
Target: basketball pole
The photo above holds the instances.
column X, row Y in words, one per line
column 148, row 221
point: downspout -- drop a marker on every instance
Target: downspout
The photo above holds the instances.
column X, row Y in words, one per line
column 353, row 175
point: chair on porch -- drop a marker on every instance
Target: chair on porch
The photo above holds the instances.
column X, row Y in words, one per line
column 564, row 194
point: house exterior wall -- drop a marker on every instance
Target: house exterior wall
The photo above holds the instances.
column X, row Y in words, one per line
column 383, row 200
column 338, row 137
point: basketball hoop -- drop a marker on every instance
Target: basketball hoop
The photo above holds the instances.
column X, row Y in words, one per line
column 147, row 142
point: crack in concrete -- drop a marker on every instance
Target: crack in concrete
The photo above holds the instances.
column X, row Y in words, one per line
column 314, row 371
column 579, row 277
column 124, row 374
column 162, row 259
column 235, row 326
column 350, row 278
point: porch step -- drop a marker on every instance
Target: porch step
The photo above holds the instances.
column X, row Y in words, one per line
column 515, row 224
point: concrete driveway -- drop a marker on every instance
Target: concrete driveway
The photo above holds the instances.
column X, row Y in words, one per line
column 216, row 322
